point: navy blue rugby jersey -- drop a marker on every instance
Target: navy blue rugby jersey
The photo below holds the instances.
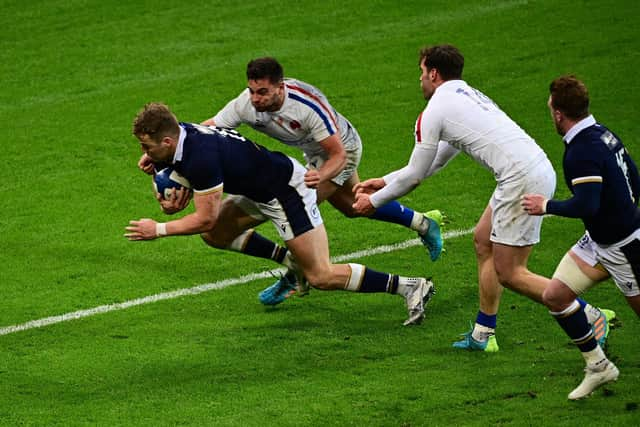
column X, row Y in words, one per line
column 604, row 180
column 213, row 158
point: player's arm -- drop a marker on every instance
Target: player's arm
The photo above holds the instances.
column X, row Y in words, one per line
column 403, row 181
column 207, row 208
column 232, row 114
column 395, row 184
column 584, row 203
column 337, row 160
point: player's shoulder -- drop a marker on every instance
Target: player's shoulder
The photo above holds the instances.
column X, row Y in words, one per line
column 597, row 138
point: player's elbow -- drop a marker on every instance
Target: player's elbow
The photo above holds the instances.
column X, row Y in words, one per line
column 205, row 223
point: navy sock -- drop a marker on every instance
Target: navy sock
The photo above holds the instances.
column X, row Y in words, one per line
column 394, row 212
column 488, row 320
column 575, row 325
column 262, row 247
column 374, row 281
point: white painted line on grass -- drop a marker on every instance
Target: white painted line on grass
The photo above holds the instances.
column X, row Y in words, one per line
column 208, row 287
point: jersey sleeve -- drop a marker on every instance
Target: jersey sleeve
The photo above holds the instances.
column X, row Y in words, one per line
column 583, row 169
column 404, row 180
column 231, row 116
column 585, row 202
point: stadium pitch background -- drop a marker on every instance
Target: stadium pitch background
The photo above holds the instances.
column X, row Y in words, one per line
column 75, row 73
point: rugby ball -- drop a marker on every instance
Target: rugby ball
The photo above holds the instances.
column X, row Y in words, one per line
column 167, row 179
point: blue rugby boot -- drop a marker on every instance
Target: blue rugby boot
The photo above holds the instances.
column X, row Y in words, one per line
column 469, row 343
column 601, row 326
column 278, row 292
column 432, row 239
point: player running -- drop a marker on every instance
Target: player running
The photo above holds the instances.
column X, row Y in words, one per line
column 605, row 185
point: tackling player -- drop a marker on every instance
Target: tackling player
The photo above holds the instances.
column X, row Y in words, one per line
column 605, row 185
column 266, row 186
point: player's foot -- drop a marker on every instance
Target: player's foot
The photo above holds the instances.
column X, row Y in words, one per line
column 601, row 326
column 437, row 216
column 469, row 343
column 593, row 379
column 416, row 300
column 278, row 292
column 432, row 239
column 296, row 276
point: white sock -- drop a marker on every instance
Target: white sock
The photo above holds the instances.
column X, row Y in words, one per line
column 405, row 284
column 596, row 360
column 419, row 223
column 482, row 333
column 289, row 262
column 592, row 313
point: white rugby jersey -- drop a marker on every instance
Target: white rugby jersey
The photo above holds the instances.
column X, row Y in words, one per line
column 461, row 118
column 305, row 118
column 471, row 122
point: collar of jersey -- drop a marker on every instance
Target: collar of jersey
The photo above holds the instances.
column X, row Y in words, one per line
column 578, row 127
column 180, row 147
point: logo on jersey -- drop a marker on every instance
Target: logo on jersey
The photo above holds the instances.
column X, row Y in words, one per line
column 610, row 140
column 314, row 212
column 294, row 124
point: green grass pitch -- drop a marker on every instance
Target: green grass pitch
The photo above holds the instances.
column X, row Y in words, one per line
column 74, row 73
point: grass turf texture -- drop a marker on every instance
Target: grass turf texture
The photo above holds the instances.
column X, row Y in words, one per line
column 75, row 73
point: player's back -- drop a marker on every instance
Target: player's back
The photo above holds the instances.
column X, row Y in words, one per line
column 473, row 123
column 213, row 156
column 596, row 151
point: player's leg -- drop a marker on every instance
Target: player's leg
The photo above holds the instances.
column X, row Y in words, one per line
column 339, row 193
column 482, row 335
column 572, row 277
column 311, row 250
column 234, row 231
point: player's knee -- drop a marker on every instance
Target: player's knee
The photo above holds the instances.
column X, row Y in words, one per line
column 509, row 276
column 552, row 299
column 213, row 240
column 483, row 247
column 505, row 276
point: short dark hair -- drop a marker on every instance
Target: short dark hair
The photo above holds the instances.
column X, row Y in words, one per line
column 265, row 68
column 445, row 58
column 155, row 120
column 570, row 96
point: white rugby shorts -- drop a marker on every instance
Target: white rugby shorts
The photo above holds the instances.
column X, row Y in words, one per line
column 510, row 224
column 621, row 260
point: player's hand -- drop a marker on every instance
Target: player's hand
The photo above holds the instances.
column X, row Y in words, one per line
column 534, row 204
column 146, row 164
column 312, row 178
column 143, row 229
column 177, row 201
column 363, row 204
column 369, row 186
